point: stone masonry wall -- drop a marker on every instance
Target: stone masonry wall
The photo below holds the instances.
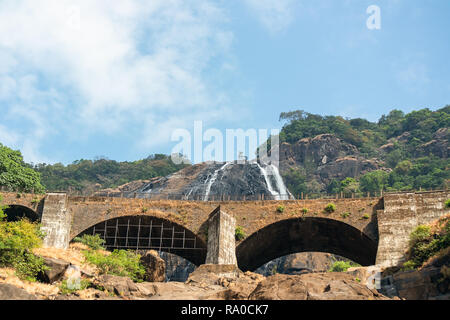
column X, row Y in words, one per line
column 402, row 213
column 221, row 242
column 56, row 221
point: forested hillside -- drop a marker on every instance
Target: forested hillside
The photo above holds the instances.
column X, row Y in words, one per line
column 318, row 154
column 91, row 175
column 399, row 152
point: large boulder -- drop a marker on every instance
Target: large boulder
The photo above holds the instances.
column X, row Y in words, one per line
column 120, row 286
column 280, row 287
column 10, row 292
column 155, row 267
column 55, row 270
column 314, row 286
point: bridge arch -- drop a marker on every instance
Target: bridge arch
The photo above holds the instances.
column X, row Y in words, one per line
column 311, row 234
column 17, row 212
column 144, row 232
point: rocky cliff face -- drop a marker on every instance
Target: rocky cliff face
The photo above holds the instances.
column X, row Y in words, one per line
column 324, row 158
column 211, row 181
column 299, row 263
column 321, row 159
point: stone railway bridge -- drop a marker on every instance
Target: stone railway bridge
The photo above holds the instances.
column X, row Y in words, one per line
column 370, row 231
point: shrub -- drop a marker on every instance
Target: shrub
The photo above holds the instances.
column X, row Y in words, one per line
column 119, row 263
column 92, row 241
column 342, row 266
column 408, row 265
column 346, row 215
column 305, row 211
column 424, row 243
column 421, row 233
column 17, row 239
column 447, row 203
column 330, row 208
column 239, row 234
column 366, row 217
column 280, row 209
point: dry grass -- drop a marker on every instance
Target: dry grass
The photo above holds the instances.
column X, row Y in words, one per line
column 8, row 276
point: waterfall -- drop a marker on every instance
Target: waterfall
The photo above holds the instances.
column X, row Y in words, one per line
column 282, row 193
column 212, row 179
column 268, row 182
column 186, row 197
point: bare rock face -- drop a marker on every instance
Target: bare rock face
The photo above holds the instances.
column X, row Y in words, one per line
column 322, row 149
column 280, row 287
column 431, row 282
column 314, row 286
column 299, row 263
column 438, row 146
column 224, row 282
column 324, row 158
column 10, row 292
column 155, row 267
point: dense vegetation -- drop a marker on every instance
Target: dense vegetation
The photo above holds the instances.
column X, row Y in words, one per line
column 17, row 240
column 428, row 241
column 90, row 175
column 123, row 263
column 342, row 266
column 409, row 165
column 15, row 174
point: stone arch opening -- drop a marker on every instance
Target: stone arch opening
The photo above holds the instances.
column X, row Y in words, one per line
column 18, row 212
column 305, row 235
column 142, row 233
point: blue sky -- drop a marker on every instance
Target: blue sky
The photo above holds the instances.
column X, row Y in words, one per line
column 87, row 78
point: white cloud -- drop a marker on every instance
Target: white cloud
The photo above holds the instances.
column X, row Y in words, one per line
column 275, row 15
column 114, row 65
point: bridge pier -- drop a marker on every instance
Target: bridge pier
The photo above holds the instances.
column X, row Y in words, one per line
column 221, row 239
column 56, row 221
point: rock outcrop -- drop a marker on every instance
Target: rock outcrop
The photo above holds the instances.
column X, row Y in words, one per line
column 55, row 269
column 325, row 158
column 155, row 267
column 314, row 286
column 10, row 292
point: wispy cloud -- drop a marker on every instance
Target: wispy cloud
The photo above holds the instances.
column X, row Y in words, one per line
column 80, row 67
column 274, row 15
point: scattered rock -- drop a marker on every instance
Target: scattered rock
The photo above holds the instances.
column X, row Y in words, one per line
column 155, row 267
column 121, row 286
column 55, row 270
column 10, row 292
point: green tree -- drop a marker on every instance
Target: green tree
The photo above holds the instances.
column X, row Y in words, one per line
column 295, row 181
column 15, row 174
column 349, row 185
column 373, row 181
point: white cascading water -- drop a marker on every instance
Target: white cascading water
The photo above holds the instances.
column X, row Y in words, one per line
column 268, row 182
column 186, row 197
column 282, row 193
column 212, row 179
